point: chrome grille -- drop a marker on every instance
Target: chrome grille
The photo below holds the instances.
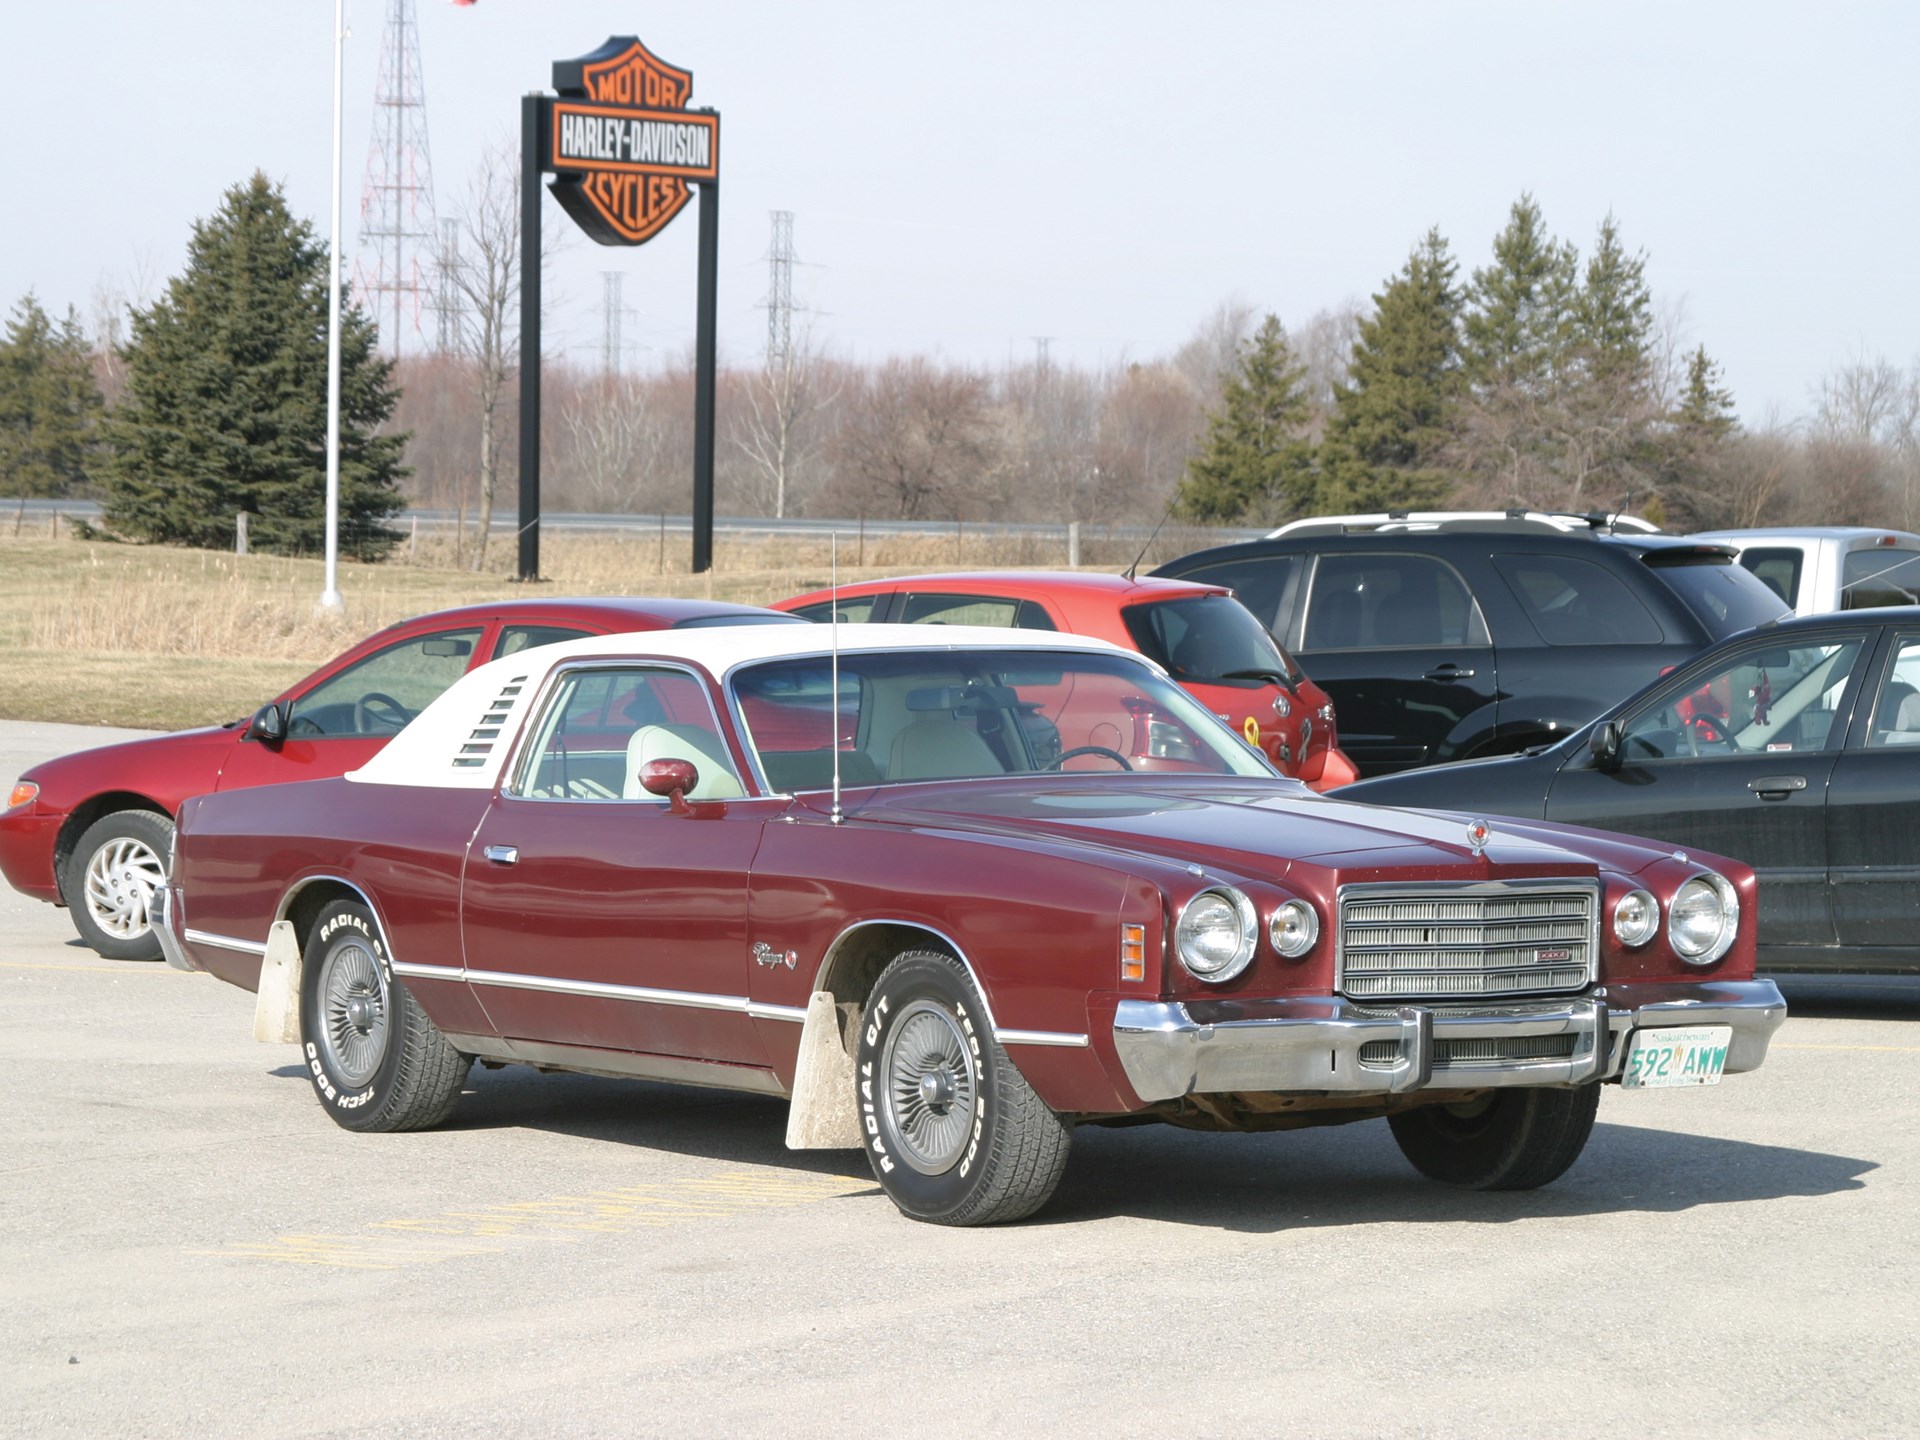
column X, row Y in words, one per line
column 1466, row 942
column 1450, row 1054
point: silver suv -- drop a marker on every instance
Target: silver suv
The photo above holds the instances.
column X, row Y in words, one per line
column 1830, row 567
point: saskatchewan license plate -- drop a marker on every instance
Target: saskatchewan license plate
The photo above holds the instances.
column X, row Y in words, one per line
column 1683, row 1055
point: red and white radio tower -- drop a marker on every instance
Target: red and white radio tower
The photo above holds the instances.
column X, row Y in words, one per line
column 394, row 267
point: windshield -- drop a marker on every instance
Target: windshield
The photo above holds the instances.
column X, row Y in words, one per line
column 1725, row 596
column 1209, row 639
column 954, row 714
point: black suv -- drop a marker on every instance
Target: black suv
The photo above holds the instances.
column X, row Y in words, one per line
column 1443, row 636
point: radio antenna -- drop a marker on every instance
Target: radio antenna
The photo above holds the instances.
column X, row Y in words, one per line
column 1153, row 537
column 833, row 691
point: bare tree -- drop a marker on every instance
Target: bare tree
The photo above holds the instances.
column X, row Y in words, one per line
column 1212, row 353
column 615, row 440
column 776, row 432
column 914, row 443
column 1325, row 346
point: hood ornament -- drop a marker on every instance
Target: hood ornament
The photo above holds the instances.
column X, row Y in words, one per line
column 1478, row 833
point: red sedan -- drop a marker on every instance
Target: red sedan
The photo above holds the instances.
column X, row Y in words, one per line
column 1206, row 639
column 91, row 831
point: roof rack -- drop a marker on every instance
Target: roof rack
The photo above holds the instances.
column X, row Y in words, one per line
column 1597, row 522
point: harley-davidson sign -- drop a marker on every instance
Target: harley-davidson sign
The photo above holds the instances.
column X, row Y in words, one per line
column 622, row 144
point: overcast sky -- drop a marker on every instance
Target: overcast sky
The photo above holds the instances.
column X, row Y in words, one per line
column 965, row 178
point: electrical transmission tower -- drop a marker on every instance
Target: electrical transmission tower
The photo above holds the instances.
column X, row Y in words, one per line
column 396, row 202
column 780, row 291
column 610, row 323
column 447, row 307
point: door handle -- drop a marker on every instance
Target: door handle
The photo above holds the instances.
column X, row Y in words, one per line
column 1448, row 671
column 1777, row 787
column 501, row 854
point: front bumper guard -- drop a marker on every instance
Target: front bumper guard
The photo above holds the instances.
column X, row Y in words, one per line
column 163, row 912
column 1313, row 1043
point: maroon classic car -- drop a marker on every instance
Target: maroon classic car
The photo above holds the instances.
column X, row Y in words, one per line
column 954, row 894
column 88, row 830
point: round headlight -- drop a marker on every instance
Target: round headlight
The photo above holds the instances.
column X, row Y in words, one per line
column 1635, row 919
column 1703, row 919
column 1293, row 928
column 1215, row 935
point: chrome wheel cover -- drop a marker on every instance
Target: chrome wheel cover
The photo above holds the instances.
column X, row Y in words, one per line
column 932, row 1089
column 121, row 878
column 354, row 1010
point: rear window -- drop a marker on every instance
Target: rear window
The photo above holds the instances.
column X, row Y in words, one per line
column 1722, row 595
column 745, row 617
column 990, row 610
column 1258, row 582
column 1208, row 638
column 1879, row 577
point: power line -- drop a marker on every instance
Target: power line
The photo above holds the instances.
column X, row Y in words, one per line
column 396, row 201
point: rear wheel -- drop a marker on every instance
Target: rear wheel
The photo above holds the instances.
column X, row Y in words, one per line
column 1503, row 1140
column 376, row 1061
column 954, row 1133
column 109, row 880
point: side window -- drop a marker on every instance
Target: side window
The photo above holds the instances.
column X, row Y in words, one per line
column 1576, row 602
column 1896, row 709
column 854, row 610
column 515, row 638
column 963, row 610
column 1779, row 569
column 1765, row 699
column 1259, row 583
column 1384, row 602
column 379, row 694
column 604, row 724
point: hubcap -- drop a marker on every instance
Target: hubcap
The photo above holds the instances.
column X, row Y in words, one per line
column 353, row 1011
column 121, row 878
column 931, row 1089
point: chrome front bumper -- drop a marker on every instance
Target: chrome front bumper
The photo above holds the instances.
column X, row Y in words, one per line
column 1313, row 1043
column 163, row 912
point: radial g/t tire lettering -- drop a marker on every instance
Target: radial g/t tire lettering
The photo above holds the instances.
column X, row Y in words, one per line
column 953, row 1131
column 376, row 1061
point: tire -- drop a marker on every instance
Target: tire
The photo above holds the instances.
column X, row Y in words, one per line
column 376, row 1061
column 1506, row 1140
column 954, row 1133
column 109, row 880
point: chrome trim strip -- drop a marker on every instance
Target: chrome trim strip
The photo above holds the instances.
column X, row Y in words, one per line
column 379, row 921
column 640, row 994
column 223, row 942
column 1312, row 1042
column 758, row 1011
column 161, row 916
column 833, row 949
column 1041, row 1037
column 429, row 972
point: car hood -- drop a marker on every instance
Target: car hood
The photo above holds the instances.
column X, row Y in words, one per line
column 1258, row 828
column 97, row 768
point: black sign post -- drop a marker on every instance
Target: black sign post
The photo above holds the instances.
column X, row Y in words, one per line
column 625, row 154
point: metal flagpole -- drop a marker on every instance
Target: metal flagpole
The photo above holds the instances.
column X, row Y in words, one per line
column 330, row 600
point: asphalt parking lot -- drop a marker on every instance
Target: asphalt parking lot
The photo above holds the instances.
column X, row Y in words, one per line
column 191, row 1248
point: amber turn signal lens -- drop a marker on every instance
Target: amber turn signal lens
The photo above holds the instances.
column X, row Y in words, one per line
column 1133, row 952
column 23, row 794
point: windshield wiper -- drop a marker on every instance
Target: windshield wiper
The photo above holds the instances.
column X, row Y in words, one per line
column 1278, row 677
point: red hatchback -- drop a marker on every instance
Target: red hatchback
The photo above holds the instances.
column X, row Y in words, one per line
column 1206, row 639
column 91, row 830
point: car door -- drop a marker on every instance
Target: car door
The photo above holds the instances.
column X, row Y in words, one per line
column 344, row 719
column 1734, row 755
column 1872, row 834
column 597, row 915
column 1398, row 640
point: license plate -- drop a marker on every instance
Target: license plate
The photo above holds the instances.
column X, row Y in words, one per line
column 1683, row 1055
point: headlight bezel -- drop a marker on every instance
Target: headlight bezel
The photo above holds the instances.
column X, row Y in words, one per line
column 1725, row 899
column 1247, row 923
column 1296, row 948
column 1655, row 915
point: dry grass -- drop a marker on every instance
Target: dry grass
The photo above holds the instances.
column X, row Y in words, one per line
column 161, row 638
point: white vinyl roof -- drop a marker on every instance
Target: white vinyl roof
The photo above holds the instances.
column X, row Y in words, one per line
column 460, row 741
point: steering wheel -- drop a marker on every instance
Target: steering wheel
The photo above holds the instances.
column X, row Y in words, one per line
column 1113, row 755
column 376, row 711
column 1705, row 730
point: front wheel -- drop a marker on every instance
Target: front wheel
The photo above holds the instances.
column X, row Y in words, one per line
column 954, row 1133
column 1504, row 1140
column 109, row 880
column 376, row 1061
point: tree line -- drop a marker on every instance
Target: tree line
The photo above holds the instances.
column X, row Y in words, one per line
column 1539, row 378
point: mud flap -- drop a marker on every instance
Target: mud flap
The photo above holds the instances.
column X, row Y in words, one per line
column 276, row 1006
column 822, row 1114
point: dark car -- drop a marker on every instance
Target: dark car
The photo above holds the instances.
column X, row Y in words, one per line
column 1451, row 638
column 1795, row 748
column 90, row 831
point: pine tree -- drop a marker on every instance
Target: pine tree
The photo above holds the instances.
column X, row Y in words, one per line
column 49, row 405
column 1695, row 447
column 1518, row 333
column 1256, row 460
column 1385, row 445
column 226, row 396
column 1613, row 317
